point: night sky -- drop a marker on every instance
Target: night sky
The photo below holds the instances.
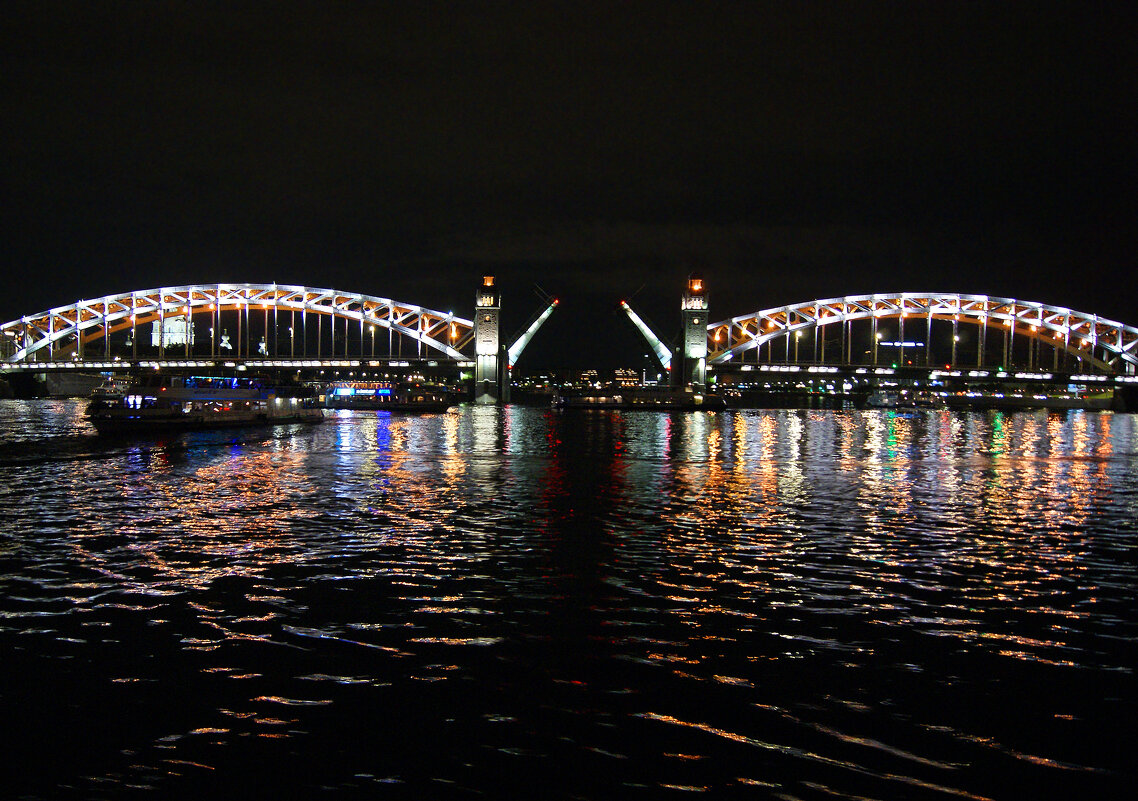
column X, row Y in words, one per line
column 787, row 151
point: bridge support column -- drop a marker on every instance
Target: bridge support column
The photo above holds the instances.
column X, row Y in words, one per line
column 693, row 351
column 487, row 344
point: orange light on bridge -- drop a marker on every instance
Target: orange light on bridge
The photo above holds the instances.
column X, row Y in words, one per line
column 487, row 280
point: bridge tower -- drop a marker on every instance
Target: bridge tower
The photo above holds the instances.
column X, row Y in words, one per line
column 487, row 343
column 693, row 348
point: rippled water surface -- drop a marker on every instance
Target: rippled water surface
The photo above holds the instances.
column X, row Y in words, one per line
column 515, row 603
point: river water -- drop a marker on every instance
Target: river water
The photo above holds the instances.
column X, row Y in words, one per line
column 518, row 603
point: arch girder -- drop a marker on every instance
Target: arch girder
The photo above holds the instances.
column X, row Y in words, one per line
column 1077, row 330
column 79, row 322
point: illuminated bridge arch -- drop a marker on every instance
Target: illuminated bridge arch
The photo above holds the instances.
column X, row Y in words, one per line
column 277, row 315
column 1107, row 345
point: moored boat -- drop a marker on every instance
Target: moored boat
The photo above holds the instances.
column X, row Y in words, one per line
column 1014, row 400
column 904, row 399
column 382, row 396
column 647, row 398
column 111, row 389
column 174, row 403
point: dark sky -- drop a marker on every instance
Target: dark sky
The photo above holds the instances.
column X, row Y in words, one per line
column 788, row 151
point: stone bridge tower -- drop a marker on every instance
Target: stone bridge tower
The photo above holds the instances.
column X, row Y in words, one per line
column 487, row 343
column 693, row 348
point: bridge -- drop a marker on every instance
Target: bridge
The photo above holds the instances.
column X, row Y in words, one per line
column 230, row 312
column 898, row 330
column 1090, row 341
column 262, row 325
column 272, row 325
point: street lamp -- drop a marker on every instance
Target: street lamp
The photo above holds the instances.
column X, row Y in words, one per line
column 797, row 336
column 189, row 328
column 372, row 328
column 876, row 340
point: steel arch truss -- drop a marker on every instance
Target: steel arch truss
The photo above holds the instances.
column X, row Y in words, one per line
column 1076, row 332
column 60, row 332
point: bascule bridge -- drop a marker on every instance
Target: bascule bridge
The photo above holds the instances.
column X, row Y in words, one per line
column 946, row 339
column 269, row 328
column 690, row 358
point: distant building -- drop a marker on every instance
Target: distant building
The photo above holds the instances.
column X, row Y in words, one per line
column 171, row 331
column 626, row 377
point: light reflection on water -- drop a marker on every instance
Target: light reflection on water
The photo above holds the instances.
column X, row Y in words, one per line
column 788, row 603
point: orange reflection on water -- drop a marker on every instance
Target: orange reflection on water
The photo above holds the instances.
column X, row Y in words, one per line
column 224, row 518
column 1004, row 500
